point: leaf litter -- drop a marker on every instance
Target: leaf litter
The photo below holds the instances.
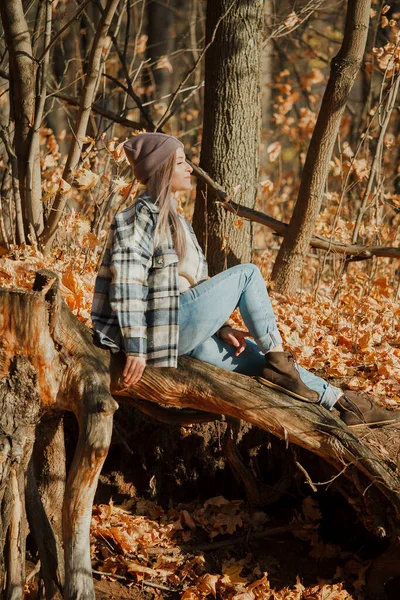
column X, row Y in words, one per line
column 142, row 542
column 356, row 342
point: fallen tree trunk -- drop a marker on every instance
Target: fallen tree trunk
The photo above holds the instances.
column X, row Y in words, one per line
column 49, row 363
column 207, row 388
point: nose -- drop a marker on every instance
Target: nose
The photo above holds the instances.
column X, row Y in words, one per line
column 189, row 168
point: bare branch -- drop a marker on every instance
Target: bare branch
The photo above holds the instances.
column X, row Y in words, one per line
column 355, row 251
column 33, row 199
column 89, row 91
column 304, row 13
column 101, row 111
column 129, row 88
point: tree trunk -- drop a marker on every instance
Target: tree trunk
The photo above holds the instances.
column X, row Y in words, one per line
column 22, row 91
column 159, row 18
column 231, row 128
column 205, row 387
column 344, row 69
column 20, row 405
column 41, row 373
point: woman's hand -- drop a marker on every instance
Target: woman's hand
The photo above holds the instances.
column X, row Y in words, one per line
column 134, row 368
column 234, row 337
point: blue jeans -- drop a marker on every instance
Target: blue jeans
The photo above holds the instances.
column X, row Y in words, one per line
column 205, row 308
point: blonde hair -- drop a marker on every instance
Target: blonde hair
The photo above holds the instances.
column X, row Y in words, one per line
column 159, row 188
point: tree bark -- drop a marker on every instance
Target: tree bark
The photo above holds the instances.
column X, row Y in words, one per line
column 159, row 18
column 40, row 373
column 22, row 87
column 20, row 406
column 33, row 192
column 231, row 128
column 344, row 69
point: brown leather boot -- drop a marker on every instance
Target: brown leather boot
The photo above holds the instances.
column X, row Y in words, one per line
column 281, row 374
column 357, row 408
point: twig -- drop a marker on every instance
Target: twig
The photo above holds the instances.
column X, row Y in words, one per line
column 192, row 89
column 121, row 577
column 34, row 571
column 87, row 99
column 129, row 89
column 306, row 475
column 183, row 102
column 143, row 582
column 101, row 111
column 305, row 13
column 118, row 432
column 157, row 586
column 33, row 188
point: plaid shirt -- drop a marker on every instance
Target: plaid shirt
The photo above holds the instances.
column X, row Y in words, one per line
column 136, row 297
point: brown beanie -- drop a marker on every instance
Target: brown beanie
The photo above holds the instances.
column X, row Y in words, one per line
column 148, row 151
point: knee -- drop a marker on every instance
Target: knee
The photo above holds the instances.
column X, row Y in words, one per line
column 247, row 268
column 249, row 271
column 252, row 270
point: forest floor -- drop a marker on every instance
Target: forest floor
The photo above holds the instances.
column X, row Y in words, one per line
column 159, row 502
column 221, row 549
column 166, row 536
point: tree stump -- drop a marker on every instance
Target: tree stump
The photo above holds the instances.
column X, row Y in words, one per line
column 49, row 364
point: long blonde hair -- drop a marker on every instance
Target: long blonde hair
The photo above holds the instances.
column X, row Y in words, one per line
column 159, row 188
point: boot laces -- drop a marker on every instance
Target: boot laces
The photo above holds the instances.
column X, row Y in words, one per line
column 354, row 408
column 291, row 358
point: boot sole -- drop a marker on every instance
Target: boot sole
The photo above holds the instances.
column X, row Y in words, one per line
column 285, row 390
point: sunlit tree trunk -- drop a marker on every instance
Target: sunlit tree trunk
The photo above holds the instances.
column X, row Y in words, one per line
column 344, row 69
column 22, row 73
column 232, row 127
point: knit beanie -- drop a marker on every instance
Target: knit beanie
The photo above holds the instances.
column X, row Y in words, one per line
column 148, row 151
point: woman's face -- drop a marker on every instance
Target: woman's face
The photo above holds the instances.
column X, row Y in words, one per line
column 181, row 179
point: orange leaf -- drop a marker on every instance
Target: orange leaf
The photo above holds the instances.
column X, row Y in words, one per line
column 208, row 583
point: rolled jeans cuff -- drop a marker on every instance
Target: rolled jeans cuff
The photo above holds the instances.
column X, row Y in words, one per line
column 269, row 341
column 330, row 396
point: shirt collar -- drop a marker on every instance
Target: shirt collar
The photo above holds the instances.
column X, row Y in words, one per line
column 153, row 206
column 149, row 201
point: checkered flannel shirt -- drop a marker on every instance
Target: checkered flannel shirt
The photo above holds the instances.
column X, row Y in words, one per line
column 136, row 298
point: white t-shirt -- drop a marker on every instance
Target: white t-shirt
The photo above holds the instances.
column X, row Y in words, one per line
column 188, row 267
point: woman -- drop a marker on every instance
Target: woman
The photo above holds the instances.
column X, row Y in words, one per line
column 154, row 302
